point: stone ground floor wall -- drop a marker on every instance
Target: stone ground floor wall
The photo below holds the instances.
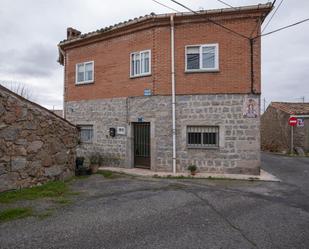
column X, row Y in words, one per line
column 35, row 144
column 239, row 136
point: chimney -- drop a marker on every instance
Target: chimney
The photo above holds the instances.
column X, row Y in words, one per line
column 72, row 33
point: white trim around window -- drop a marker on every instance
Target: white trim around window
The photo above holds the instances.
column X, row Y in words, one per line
column 82, row 69
column 140, row 63
column 201, row 58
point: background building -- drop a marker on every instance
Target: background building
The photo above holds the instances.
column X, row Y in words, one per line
column 276, row 131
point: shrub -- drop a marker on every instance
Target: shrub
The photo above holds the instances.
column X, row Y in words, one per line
column 95, row 159
column 192, row 168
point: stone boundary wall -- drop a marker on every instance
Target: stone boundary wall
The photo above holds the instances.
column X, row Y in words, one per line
column 35, row 144
column 239, row 150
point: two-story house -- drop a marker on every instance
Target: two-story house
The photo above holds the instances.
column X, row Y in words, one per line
column 170, row 90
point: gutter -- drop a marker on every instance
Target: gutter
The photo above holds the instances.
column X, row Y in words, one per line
column 173, row 92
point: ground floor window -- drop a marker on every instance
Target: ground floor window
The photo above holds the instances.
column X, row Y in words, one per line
column 86, row 133
column 203, row 136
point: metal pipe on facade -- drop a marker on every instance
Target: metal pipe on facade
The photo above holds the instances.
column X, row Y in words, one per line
column 64, row 90
column 173, row 92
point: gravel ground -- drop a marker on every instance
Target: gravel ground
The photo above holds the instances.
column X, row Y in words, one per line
column 132, row 212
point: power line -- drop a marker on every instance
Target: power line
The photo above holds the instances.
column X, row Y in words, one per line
column 210, row 20
column 166, row 6
column 272, row 16
column 226, row 4
column 285, row 27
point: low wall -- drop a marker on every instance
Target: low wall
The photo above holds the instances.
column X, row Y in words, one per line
column 35, row 144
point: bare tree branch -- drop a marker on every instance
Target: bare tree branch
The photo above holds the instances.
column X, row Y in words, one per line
column 19, row 88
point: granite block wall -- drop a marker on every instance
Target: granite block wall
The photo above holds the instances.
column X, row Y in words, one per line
column 239, row 137
column 35, row 145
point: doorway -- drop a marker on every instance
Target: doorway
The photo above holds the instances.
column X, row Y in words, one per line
column 141, row 135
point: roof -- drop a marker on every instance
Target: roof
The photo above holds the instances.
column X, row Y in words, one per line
column 58, row 112
column 265, row 8
column 4, row 89
column 292, row 108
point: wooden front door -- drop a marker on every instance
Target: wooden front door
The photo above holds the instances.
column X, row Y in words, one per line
column 142, row 145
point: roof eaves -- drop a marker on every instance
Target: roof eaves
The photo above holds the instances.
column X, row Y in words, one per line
column 152, row 15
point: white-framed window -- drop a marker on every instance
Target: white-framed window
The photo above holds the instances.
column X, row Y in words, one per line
column 86, row 133
column 140, row 63
column 202, row 57
column 203, row 136
column 84, row 72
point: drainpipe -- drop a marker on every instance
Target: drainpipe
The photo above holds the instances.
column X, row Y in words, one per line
column 251, row 65
column 63, row 54
column 173, row 93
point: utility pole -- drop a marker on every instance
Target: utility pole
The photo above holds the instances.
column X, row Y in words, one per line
column 264, row 104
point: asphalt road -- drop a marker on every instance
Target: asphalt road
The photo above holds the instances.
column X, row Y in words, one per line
column 163, row 213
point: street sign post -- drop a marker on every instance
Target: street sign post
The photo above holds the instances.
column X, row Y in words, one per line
column 292, row 123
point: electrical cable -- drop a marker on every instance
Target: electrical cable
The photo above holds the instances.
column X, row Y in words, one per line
column 272, row 16
column 166, row 6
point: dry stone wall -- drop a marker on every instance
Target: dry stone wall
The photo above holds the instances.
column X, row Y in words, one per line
column 35, row 144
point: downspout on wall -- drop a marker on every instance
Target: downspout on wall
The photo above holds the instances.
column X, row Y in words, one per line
column 173, row 92
column 64, row 90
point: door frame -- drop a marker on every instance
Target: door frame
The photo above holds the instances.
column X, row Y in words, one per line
column 147, row 125
column 130, row 143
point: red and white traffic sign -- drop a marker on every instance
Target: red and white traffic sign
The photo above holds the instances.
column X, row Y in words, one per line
column 292, row 121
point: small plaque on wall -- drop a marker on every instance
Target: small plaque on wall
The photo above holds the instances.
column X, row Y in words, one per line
column 147, row 92
column 121, row 130
column 140, row 119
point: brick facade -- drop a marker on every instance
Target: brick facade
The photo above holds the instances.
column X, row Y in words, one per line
column 112, row 59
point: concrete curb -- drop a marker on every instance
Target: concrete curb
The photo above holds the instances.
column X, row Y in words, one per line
column 264, row 176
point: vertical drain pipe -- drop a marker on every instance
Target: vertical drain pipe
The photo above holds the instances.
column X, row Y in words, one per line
column 173, row 93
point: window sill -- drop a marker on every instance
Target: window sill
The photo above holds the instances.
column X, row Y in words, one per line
column 84, row 83
column 203, row 71
column 140, row 75
column 204, row 148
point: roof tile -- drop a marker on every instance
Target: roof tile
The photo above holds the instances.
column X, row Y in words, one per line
column 292, row 108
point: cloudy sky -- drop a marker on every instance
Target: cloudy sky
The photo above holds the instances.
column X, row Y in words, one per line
column 31, row 29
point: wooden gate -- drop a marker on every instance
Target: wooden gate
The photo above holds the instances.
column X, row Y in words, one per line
column 142, row 145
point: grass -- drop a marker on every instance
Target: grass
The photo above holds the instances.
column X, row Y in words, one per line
column 14, row 213
column 109, row 174
column 50, row 189
column 196, row 177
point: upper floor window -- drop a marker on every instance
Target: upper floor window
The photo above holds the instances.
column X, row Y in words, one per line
column 202, row 57
column 84, row 72
column 140, row 63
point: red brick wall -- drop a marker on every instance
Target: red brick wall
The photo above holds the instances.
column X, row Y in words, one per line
column 112, row 62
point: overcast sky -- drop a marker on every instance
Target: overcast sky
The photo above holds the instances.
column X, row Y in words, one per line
column 31, row 29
